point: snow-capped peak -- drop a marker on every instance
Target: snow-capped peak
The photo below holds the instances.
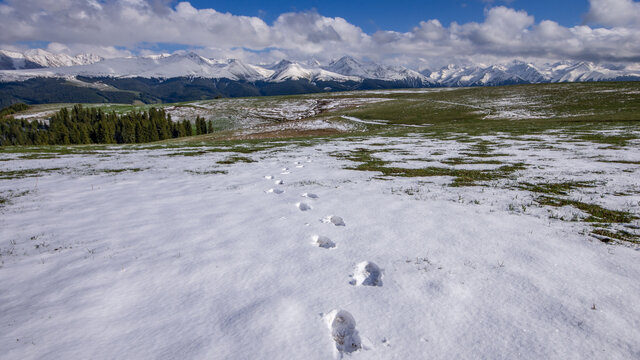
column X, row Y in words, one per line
column 282, row 64
column 287, row 70
column 349, row 66
column 38, row 58
column 18, row 66
column 517, row 72
column 157, row 56
column 313, row 63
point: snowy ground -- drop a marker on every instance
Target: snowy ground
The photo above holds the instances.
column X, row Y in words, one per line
column 149, row 254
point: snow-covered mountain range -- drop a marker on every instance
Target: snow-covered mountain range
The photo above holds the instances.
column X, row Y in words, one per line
column 36, row 63
column 518, row 72
column 38, row 58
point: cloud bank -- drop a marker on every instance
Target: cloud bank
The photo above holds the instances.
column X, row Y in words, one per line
column 611, row 33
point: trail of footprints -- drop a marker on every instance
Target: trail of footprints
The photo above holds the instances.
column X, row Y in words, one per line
column 341, row 323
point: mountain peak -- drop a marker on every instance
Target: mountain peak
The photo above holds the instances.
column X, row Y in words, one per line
column 314, row 63
column 282, row 64
column 39, row 58
column 345, row 60
column 29, row 64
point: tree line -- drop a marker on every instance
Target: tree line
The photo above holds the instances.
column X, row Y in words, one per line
column 82, row 125
column 12, row 109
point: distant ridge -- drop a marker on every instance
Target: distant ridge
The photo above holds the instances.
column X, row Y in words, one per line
column 40, row 63
column 38, row 58
column 38, row 76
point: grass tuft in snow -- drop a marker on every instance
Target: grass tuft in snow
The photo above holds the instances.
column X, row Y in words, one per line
column 561, row 188
column 38, row 156
column 626, row 162
column 5, row 197
column 207, row 172
column 20, row 174
column 616, row 139
column 462, row 177
column 597, row 213
column 189, row 153
column 52, row 150
column 364, row 156
column 117, row 171
column 236, row 159
column 467, row 161
column 607, row 236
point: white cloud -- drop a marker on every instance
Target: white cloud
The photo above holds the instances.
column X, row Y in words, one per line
column 109, row 25
column 615, row 13
column 5, row 10
column 75, row 49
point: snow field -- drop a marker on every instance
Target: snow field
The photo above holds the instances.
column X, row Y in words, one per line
column 341, row 322
column 162, row 263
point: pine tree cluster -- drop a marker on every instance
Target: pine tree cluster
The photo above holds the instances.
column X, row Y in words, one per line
column 94, row 126
column 12, row 109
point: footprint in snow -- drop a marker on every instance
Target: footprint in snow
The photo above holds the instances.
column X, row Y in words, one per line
column 278, row 182
column 310, row 195
column 332, row 219
column 343, row 331
column 274, row 191
column 303, row 206
column 368, row 274
column 323, row 242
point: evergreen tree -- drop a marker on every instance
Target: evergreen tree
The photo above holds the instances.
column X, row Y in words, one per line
column 79, row 125
column 106, row 132
column 187, row 127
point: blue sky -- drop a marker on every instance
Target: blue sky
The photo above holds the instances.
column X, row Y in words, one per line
column 402, row 15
